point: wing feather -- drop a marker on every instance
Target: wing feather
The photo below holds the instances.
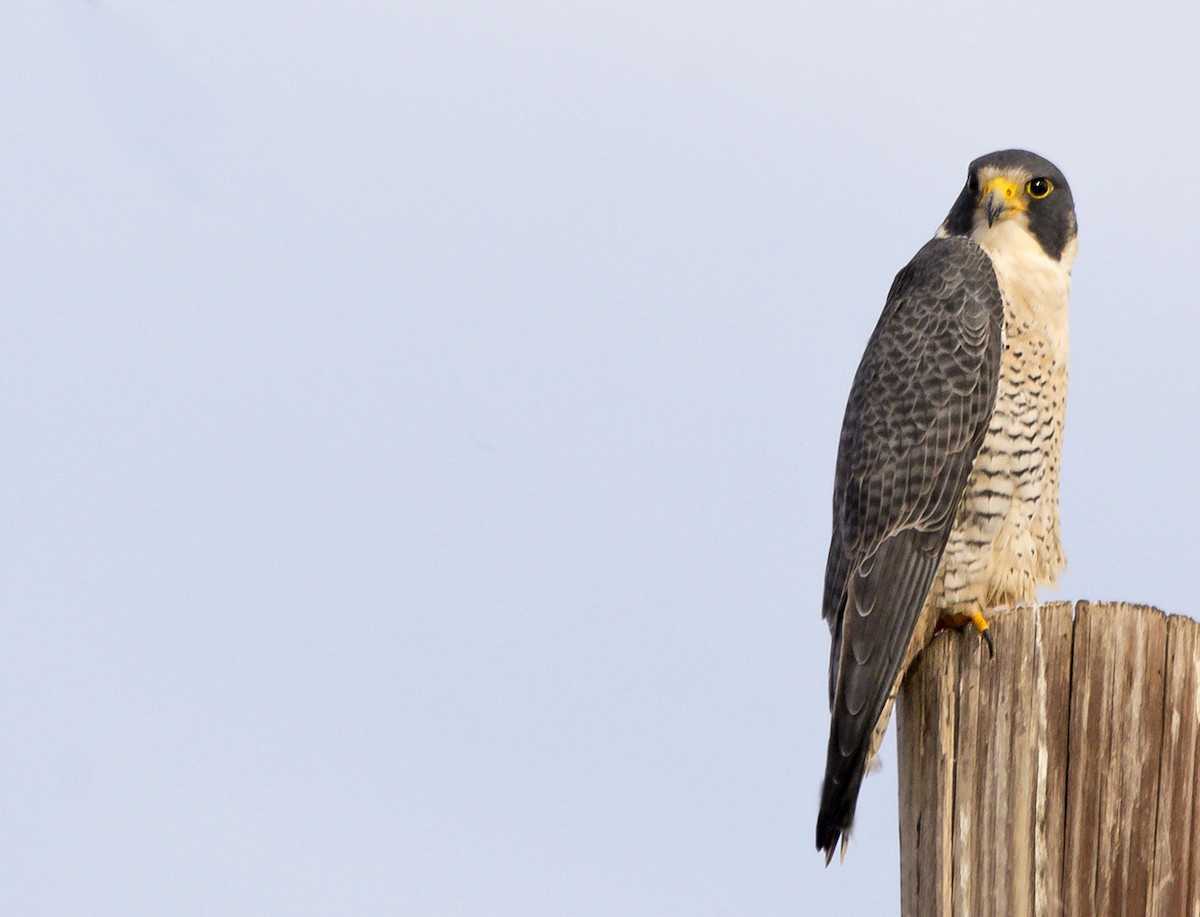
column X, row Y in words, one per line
column 917, row 414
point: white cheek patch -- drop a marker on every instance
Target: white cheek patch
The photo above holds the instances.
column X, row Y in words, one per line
column 1068, row 256
column 1019, row 257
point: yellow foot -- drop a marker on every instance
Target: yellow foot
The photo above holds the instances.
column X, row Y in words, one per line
column 981, row 625
column 958, row 620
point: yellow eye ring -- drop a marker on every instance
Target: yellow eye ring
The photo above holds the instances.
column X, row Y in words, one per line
column 1038, row 188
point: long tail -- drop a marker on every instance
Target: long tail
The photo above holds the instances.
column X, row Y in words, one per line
column 839, row 797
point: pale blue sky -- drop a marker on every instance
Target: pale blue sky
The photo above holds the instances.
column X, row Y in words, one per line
column 420, row 421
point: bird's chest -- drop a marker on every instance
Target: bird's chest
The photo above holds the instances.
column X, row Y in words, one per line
column 1035, row 293
column 1006, row 535
column 1032, row 391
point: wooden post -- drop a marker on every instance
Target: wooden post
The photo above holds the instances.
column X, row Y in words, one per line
column 1060, row 778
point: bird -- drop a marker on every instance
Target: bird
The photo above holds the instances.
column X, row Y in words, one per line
column 945, row 502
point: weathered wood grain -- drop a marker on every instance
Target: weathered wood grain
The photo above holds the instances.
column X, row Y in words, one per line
column 926, row 776
column 1052, row 687
column 1115, row 749
column 1176, row 850
column 1059, row 778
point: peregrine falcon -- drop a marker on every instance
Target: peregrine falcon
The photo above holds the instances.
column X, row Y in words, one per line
column 945, row 499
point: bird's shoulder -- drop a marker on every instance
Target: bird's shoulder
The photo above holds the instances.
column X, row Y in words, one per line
column 921, row 397
column 939, row 331
column 947, row 271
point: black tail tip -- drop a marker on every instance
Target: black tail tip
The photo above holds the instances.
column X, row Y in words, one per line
column 839, row 798
column 828, row 836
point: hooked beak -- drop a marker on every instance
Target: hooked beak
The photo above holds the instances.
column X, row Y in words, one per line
column 999, row 199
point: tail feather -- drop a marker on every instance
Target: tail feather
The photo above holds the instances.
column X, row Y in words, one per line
column 883, row 604
column 838, row 800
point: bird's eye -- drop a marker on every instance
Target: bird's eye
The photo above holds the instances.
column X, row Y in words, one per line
column 1038, row 188
column 973, row 184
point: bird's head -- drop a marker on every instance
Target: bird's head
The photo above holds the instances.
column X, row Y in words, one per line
column 1014, row 191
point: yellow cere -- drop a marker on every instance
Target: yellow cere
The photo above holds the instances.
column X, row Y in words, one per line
column 1005, row 187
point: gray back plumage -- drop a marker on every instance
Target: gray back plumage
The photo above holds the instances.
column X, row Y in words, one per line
column 917, row 415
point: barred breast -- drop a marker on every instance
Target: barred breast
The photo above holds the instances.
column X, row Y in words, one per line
column 1006, row 541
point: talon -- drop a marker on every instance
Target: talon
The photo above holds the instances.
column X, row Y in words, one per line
column 981, row 625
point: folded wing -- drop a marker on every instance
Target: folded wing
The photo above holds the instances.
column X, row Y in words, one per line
column 917, row 415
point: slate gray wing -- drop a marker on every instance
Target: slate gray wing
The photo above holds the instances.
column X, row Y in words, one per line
column 917, row 415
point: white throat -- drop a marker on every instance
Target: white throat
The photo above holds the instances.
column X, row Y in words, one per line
column 1035, row 286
